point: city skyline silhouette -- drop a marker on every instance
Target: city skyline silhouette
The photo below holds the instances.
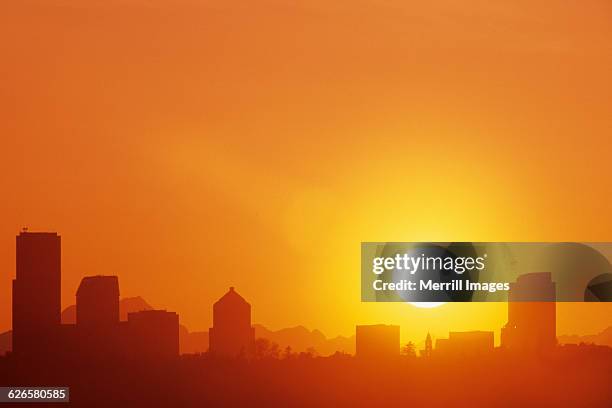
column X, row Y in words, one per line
column 100, row 350
column 36, row 297
column 105, row 360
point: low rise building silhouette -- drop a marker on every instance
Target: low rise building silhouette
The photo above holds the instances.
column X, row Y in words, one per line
column 232, row 334
column 467, row 343
column 377, row 341
column 153, row 334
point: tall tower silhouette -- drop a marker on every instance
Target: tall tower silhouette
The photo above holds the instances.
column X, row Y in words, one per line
column 36, row 292
column 428, row 346
column 531, row 324
column 231, row 334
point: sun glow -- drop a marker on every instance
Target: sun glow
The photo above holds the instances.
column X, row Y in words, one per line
column 426, row 305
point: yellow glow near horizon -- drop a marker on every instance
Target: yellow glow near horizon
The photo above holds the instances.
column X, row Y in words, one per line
column 426, row 305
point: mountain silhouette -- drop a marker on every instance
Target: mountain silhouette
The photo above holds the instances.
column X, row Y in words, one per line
column 126, row 305
column 301, row 339
column 298, row 338
column 603, row 338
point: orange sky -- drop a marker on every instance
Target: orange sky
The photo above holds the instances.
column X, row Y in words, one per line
column 190, row 145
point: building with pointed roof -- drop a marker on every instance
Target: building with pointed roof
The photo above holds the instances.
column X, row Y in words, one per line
column 232, row 334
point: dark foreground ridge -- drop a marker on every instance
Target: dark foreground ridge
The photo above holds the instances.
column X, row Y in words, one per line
column 569, row 376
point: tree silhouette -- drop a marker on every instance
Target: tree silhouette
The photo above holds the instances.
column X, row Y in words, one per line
column 265, row 348
column 409, row 349
column 288, row 353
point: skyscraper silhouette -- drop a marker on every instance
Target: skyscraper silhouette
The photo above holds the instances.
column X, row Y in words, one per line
column 36, row 292
column 231, row 334
column 531, row 325
column 97, row 333
column 98, row 302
